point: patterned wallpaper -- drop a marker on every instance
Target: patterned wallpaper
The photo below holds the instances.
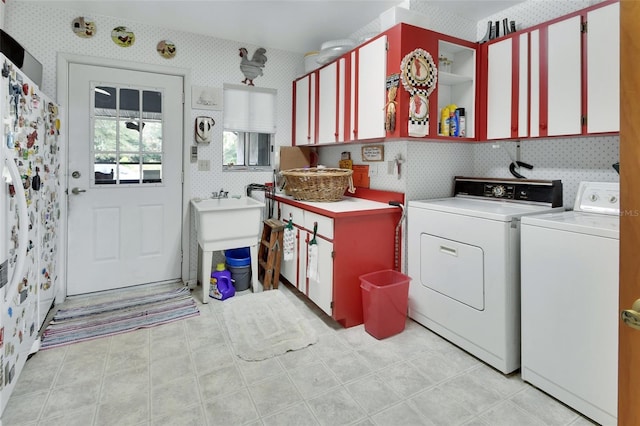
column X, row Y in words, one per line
column 45, row 31
column 571, row 160
column 430, row 166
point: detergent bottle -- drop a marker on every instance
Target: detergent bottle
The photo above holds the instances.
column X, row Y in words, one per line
column 221, row 287
column 444, row 121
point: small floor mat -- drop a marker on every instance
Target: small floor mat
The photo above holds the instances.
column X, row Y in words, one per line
column 266, row 324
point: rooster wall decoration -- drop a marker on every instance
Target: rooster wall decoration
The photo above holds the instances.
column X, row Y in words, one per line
column 252, row 69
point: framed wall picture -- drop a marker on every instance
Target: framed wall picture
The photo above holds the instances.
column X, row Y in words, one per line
column 206, row 98
column 373, row 153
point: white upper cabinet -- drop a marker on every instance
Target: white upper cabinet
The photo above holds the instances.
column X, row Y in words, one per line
column 369, row 91
column 564, row 78
column 508, row 88
column 331, row 102
column 499, row 90
column 304, row 124
column 558, row 79
column 603, row 69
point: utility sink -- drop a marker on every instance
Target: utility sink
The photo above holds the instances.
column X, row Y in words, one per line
column 223, row 224
column 223, row 219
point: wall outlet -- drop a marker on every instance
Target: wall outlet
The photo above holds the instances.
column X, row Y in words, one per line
column 204, row 165
column 194, row 153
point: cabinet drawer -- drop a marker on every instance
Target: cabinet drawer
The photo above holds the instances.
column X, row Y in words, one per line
column 296, row 213
column 325, row 224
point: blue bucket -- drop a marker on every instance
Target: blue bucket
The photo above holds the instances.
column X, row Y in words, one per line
column 238, row 257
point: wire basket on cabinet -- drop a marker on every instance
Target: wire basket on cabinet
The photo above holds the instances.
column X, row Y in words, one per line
column 318, row 184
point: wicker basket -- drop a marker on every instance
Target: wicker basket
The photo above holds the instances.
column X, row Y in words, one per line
column 318, row 184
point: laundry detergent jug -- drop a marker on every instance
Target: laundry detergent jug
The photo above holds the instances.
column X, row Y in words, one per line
column 221, row 287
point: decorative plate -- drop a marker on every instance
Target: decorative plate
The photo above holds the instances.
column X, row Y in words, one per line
column 166, row 49
column 419, row 72
column 123, row 37
column 83, row 27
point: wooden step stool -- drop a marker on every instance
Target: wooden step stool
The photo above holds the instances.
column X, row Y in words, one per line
column 270, row 253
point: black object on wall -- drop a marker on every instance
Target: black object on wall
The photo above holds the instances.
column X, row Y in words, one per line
column 10, row 48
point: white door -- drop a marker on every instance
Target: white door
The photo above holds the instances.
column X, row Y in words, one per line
column 124, row 183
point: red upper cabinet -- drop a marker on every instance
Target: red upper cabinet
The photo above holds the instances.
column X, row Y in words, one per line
column 455, row 85
column 351, row 98
column 559, row 78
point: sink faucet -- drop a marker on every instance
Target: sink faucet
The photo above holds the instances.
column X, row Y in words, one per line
column 221, row 194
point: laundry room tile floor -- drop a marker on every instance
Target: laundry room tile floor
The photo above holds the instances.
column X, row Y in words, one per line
column 185, row 373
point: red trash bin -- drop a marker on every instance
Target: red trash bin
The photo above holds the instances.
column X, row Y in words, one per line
column 385, row 299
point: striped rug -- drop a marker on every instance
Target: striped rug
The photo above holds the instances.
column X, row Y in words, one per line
column 119, row 316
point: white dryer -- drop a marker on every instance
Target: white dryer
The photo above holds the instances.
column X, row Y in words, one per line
column 464, row 261
column 570, row 302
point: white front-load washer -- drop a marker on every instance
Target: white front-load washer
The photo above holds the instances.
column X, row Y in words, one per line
column 570, row 302
column 464, row 261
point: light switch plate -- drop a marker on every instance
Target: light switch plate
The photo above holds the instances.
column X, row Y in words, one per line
column 204, row 165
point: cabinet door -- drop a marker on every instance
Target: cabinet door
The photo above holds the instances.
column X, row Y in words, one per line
column 320, row 289
column 499, row 89
column 304, row 131
column 564, row 78
column 328, row 101
column 507, row 88
column 290, row 269
column 534, row 84
column 370, row 90
column 603, row 69
column 523, row 86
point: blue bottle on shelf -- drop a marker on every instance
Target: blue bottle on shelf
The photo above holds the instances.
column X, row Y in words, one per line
column 221, row 287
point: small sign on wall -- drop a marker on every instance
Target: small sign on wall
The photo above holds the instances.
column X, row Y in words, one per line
column 373, row 153
column 206, row 98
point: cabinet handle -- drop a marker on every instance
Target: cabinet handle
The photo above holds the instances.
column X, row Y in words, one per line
column 448, row 250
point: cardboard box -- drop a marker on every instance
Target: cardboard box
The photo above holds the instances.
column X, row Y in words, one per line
column 296, row 157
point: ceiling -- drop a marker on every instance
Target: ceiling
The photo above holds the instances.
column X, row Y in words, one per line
column 291, row 25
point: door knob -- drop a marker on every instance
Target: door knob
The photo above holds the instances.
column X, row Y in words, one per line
column 631, row 317
column 76, row 191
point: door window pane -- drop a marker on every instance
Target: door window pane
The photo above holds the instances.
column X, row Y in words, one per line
column 130, row 103
column 104, row 134
column 152, row 168
column 129, row 135
column 152, row 136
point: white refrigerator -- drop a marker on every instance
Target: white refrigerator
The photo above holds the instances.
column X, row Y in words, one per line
column 30, row 197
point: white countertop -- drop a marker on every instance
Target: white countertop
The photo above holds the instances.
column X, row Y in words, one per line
column 347, row 204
